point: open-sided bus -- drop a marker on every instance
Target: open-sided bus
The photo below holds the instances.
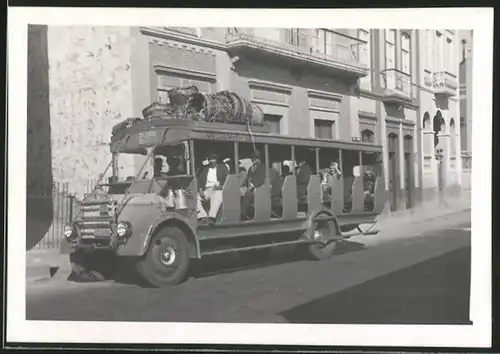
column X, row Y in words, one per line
column 152, row 221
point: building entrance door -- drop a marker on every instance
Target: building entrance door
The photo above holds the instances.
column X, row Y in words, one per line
column 393, row 170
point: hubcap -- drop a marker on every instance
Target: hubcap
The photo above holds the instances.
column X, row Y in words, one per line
column 168, row 256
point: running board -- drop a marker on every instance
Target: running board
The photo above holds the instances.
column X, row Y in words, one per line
column 269, row 245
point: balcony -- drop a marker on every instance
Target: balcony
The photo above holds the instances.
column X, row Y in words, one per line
column 321, row 49
column 397, row 86
column 445, row 84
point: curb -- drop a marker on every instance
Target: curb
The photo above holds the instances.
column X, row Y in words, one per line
column 47, row 264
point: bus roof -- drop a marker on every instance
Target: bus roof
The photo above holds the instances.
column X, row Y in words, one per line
column 141, row 134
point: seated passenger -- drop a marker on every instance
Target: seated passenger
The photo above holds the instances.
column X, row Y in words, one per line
column 157, row 169
column 285, row 171
column 332, row 171
column 276, row 191
column 242, row 175
column 256, row 177
column 304, row 173
column 210, row 183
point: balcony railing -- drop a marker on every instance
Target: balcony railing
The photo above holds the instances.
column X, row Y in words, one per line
column 397, row 85
column 445, row 83
column 324, row 47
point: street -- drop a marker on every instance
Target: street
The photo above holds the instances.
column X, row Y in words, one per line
column 422, row 279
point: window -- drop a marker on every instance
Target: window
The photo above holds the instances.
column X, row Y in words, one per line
column 390, row 49
column 405, row 53
column 367, row 136
column 438, row 51
column 296, row 37
column 323, row 129
column 273, row 122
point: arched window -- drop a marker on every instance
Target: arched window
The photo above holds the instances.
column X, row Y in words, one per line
column 453, row 138
column 438, row 126
column 367, row 136
column 426, row 121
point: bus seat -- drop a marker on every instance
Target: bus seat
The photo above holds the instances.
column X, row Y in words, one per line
column 289, row 193
column 314, row 202
column 262, row 202
column 231, row 205
column 379, row 195
column 358, row 195
column 337, row 194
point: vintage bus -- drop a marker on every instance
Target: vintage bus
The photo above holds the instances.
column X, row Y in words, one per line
column 151, row 221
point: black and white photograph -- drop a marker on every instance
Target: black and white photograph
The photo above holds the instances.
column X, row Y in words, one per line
column 176, row 179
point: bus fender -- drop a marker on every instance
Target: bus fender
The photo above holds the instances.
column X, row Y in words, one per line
column 179, row 221
column 321, row 217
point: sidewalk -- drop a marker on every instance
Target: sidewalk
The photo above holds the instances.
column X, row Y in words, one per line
column 43, row 264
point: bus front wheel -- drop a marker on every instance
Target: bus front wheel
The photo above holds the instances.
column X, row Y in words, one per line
column 167, row 259
column 323, row 246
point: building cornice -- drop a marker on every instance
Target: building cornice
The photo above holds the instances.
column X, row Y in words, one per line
column 181, row 37
column 324, row 95
column 255, row 83
column 188, row 72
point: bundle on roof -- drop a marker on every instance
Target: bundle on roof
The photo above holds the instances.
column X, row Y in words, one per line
column 225, row 107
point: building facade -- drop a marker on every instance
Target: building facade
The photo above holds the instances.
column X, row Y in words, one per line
column 351, row 85
column 465, row 80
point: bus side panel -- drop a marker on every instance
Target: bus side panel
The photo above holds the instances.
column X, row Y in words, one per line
column 314, row 202
column 337, row 186
column 289, row 192
column 358, row 195
column 231, row 204
column 262, row 200
column 379, row 195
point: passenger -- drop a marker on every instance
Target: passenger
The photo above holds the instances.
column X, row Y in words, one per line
column 276, row 191
column 158, row 168
column 332, row 171
column 256, row 177
column 229, row 165
column 211, row 181
column 285, row 171
column 173, row 166
column 304, row 173
column 242, row 175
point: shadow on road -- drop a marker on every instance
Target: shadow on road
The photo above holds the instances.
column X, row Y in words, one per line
column 228, row 263
column 243, row 261
column 432, row 292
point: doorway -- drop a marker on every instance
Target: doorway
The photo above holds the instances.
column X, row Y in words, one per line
column 393, row 152
column 409, row 172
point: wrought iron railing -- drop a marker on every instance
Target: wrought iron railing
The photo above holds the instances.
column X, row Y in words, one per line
column 328, row 44
column 397, row 81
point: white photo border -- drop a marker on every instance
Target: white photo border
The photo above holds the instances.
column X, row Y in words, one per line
column 480, row 20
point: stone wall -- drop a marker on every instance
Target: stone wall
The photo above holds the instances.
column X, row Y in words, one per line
column 90, row 91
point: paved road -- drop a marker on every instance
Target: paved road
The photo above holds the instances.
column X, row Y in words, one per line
column 420, row 279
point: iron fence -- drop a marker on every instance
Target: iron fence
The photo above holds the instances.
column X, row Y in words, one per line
column 48, row 210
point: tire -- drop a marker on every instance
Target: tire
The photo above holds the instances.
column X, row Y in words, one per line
column 323, row 250
column 167, row 259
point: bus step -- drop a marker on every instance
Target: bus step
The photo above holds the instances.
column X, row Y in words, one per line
column 238, row 249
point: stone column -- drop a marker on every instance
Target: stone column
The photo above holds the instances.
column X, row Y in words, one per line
column 444, row 143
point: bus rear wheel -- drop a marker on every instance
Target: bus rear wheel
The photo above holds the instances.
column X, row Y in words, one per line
column 167, row 259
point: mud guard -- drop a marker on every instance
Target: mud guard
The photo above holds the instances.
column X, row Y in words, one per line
column 137, row 246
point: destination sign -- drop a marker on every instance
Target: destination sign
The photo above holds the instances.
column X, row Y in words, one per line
column 228, row 136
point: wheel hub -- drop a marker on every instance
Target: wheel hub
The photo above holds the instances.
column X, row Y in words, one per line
column 168, row 256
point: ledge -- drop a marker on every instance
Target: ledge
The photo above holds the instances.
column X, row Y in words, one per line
column 269, row 103
column 367, row 115
column 324, row 95
column 324, row 109
column 179, row 36
column 187, row 72
column 254, row 83
column 400, row 121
